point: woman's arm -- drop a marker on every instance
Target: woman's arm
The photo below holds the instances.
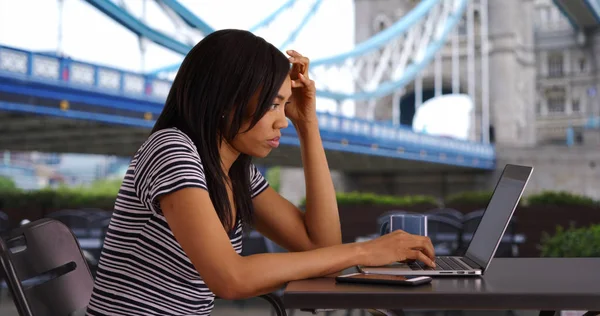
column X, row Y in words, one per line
column 197, row 228
column 275, row 217
column 321, row 217
column 281, row 221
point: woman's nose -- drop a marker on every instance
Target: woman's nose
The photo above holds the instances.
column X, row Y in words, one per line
column 281, row 122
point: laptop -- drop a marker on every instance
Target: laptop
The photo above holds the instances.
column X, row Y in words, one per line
column 487, row 236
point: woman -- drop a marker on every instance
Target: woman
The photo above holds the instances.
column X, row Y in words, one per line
column 174, row 241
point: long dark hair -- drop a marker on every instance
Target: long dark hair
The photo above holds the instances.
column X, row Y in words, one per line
column 209, row 101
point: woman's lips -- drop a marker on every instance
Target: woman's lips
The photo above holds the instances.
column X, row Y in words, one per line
column 274, row 142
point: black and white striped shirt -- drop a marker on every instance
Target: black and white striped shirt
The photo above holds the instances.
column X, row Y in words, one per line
column 142, row 269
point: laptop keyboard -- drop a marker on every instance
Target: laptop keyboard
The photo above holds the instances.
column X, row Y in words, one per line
column 441, row 264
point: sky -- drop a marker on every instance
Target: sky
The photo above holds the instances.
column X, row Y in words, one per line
column 89, row 35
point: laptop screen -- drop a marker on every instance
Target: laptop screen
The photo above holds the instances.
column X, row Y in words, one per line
column 497, row 214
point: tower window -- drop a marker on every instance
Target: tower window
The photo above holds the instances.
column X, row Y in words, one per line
column 555, row 65
column 381, row 22
column 582, row 64
column 556, row 100
column 575, row 105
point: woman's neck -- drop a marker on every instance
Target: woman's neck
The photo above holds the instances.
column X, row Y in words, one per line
column 228, row 156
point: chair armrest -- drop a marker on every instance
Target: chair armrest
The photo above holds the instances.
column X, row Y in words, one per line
column 276, row 302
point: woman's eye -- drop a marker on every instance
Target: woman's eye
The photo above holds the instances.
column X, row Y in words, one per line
column 274, row 106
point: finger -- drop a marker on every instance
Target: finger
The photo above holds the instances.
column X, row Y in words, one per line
column 419, row 256
column 293, row 53
column 297, row 83
column 423, row 245
column 427, row 247
column 302, row 62
column 425, row 259
column 303, row 82
column 299, row 67
column 304, row 79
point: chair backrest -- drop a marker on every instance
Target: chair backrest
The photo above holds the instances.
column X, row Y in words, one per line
column 443, row 224
column 4, row 222
column 77, row 221
column 471, row 221
column 448, row 212
column 45, row 269
column 445, row 233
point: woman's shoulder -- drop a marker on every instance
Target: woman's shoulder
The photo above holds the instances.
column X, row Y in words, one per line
column 165, row 145
column 167, row 139
column 169, row 135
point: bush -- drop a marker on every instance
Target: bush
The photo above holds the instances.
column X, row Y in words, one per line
column 574, row 242
column 477, row 198
column 561, row 198
column 357, row 198
column 558, row 198
column 273, row 176
column 7, row 184
column 100, row 194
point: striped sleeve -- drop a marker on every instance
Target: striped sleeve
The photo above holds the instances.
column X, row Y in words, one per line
column 258, row 183
column 167, row 163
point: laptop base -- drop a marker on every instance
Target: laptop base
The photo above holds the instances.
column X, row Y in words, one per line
column 402, row 268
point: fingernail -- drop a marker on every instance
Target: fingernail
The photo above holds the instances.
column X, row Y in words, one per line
column 300, row 75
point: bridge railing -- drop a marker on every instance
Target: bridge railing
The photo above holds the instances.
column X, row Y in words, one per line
column 64, row 71
column 399, row 138
column 47, row 67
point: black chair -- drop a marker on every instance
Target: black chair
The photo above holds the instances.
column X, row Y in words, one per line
column 47, row 273
column 508, row 246
column 95, row 213
column 4, row 227
column 45, row 269
column 448, row 212
column 77, row 221
column 4, row 222
column 470, row 223
column 445, row 234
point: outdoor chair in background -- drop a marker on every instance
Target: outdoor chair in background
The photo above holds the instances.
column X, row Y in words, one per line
column 470, row 223
column 445, row 234
column 76, row 220
column 45, row 269
column 47, row 273
column 508, row 246
column 448, row 212
column 4, row 223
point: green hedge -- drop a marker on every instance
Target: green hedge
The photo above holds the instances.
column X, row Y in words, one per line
column 572, row 242
column 101, row 194
column 7, row 184
column 273, row 176
column 358, row 198
column 561, row 198
column 477, row 198
column 558, row 198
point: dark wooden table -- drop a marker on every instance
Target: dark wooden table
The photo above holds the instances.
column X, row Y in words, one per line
column 544, row 284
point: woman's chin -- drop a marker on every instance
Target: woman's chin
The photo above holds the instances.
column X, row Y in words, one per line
column 259, row 153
